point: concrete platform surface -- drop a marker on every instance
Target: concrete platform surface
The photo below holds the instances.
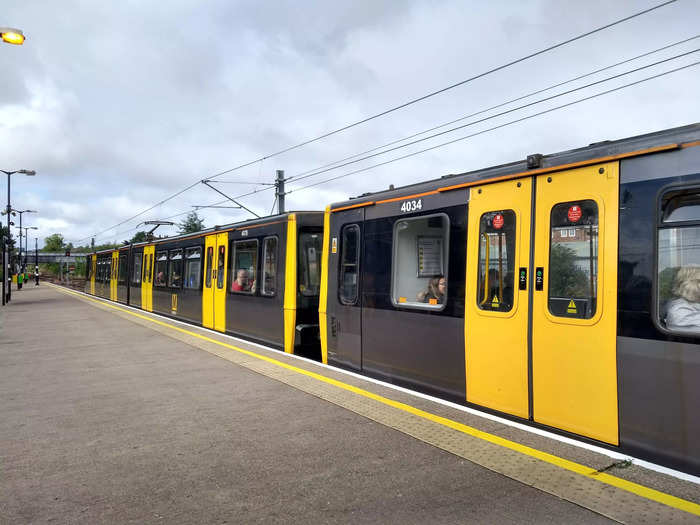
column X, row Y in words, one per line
column 106, row 420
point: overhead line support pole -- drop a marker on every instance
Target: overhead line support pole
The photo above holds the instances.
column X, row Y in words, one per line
column 206, row 183
column 279, row 189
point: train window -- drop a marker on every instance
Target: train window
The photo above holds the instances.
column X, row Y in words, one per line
column 88, row 267
column 419, row 275
column 136, row 270
column 108, row 269
column 193, row 272
column 161, row 268
column 221, row 267
column 496, row 274
column 310, row 263
column 121, row 278
column 148, row 269
column 349, row 264
column 573, row 260
column 209, row 262
column 678, row 280
column 269, row 271
column 244, row 265
column 175, row 269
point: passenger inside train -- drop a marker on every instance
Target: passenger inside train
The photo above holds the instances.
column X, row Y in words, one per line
column 683, row 312
column 243, row 282
column 435, row 293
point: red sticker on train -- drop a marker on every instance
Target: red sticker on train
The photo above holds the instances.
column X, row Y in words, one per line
column 498, row 221
column 574, row 213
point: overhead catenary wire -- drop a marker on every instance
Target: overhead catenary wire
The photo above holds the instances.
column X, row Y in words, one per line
column 527, row 117
column 315, row 171
column 455, row 129
column 393, row 109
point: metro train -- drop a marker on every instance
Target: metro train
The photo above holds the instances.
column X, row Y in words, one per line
column 562, row 291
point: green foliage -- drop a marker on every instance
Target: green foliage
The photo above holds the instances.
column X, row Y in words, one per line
column 54, row 243
column 192, row 223
column 139, row 237
column 666, row 278
column 566, row 279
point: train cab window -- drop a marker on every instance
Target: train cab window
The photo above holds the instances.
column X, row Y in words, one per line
column 349, row 264
column 175, row 269
column 161, row 268
column 209, row 262
column 269, row 270
column 573, row 259
column 496, row 275
column 310, row 263
column 244, row 265
column 193, row 272
column 121, row 277
column 419, row 266
column 678, row 279
column 136, row 270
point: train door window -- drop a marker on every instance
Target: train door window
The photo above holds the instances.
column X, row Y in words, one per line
column 88, row 267
column 193, row 272
column 221, row 267
column 244, row 264
column 310, row 263
column 136, row 270
column 175, row 269
column 161, row 268
column 678, row 263
column 419, row 266
column 210, row 261
column 269, row 270
column 573, row 260
column 108, row 269
column 147, row 270
column 121, row 279
column 349, row 264
column 496, row 274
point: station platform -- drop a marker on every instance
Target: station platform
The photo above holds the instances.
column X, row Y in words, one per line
column 113, row 415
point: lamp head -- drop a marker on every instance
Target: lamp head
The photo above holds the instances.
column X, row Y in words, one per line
column 28, row 173
column 12, row 35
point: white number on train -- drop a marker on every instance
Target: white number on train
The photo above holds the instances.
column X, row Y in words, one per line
column 408, row 206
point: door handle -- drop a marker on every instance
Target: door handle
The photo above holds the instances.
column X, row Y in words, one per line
column 539, row 278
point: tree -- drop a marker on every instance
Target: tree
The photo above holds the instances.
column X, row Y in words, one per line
column 139, row 237
column 192, row 223
column 566, row 278
column 54, row 243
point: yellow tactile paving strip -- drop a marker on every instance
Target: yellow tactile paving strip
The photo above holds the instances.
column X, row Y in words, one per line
column 611, row 496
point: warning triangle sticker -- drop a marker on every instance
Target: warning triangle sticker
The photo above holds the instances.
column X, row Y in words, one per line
column 571, row 308
column 494, row 302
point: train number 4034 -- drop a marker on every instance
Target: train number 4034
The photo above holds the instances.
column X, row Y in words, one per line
column 407, row 206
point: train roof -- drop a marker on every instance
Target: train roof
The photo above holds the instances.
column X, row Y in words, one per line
column 536, row 163
column 269, row 219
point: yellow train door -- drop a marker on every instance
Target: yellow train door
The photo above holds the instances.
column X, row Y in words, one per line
column 113, row 276
column 574, row 307
column 147, row 278
column 215, row 279
column 496, row 310
column 93, row 264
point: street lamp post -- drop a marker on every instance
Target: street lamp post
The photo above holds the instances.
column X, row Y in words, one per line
column 36, row 260
column 23, row 262
column 29, row 173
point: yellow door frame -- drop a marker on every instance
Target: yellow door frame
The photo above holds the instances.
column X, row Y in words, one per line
column 113, row 276
column 290, row 285
column 496, row 345
column 574, row 363
column 208, row 290
column 220, row 291
column 93, row 264
column 147, row 277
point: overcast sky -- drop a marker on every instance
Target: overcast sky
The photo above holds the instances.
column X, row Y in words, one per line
column 117, row 105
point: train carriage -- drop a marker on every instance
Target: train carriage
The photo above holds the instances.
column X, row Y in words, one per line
column 258, row 279
column 542, row 290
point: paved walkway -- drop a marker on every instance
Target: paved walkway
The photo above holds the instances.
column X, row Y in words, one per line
column 107, row 417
